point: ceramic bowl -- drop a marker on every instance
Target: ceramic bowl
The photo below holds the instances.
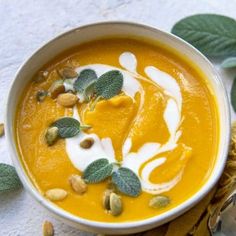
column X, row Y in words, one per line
column 103, row 30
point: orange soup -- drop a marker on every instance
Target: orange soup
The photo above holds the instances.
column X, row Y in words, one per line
column 118, row 130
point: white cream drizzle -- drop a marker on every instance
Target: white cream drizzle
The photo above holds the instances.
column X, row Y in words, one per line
column 103, row 148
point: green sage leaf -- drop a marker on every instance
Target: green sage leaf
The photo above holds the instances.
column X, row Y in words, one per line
column 89, row 91
column 109, row 84
column 213, row 35
column 9, row 179
column 67, row 127
column 127, row 182
column 233, row 95
column 84, row 79
column 229, row 62
column 98, row 171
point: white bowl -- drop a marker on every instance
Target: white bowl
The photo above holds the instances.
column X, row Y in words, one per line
column 102, row 30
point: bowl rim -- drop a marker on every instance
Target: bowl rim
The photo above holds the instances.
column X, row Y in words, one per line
column 163, row 217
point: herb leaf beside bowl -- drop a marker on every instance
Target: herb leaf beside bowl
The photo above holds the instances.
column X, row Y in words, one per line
column 9, row 179
column 213, row 35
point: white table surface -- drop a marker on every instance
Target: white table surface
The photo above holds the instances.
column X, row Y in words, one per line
column 25, row 25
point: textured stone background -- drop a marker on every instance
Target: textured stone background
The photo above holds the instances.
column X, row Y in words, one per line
column 26, row 25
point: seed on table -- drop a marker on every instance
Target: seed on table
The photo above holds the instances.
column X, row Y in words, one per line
column 1, row 129
column 48, row 229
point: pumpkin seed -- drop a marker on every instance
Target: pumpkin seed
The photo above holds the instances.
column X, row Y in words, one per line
column 106, row 199
column 78, row 184
column 159, row 202
column 1, row 129
column 67, row 73
column 116, row 207
column 87, row 143
column 48, row 229
column 51, row 135
column 41, row 95
column 56, row 88
column 67, row 99
column 56, row 194
column 41, row 76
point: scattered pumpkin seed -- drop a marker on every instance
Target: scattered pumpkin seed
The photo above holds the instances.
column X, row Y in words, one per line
column 78, row 184
column 51, row 135
column 41, row 76
column 41, row 95
column 87, row 143
column 1, row 129
column 67, row 99
column 56, row 194
column 48, row 229
column 106, row 199
column 159, row 202
column 67, row 73
column 56, row 88
column 116, row 207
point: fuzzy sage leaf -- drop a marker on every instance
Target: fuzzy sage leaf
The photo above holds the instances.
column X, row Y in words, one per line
column 84, row 80
column 229, row 62
column 127, row 182
column 109, row 84
column 97, row 171
column 233, row 95
column 213, row 35
column 9, row 179
column 68, row 127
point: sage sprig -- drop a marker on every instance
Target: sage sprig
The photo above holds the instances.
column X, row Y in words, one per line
column 68, row 127
column 97, row 171
column 213, row 35
column 107, row 86
column 9, row 179
column 85, row 78
column 125, row 180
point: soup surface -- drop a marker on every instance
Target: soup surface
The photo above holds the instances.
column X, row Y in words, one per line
column 161, row 124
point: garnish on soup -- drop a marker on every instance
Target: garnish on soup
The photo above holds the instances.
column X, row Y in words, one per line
column 118, row 126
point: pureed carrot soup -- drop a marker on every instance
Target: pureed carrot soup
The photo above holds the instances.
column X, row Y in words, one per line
column 118, row 130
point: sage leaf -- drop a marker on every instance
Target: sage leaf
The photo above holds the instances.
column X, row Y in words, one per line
column 229, row 62
column 89, row 91
column 127, row 182
column 233, row 95
column 84, row 79
column 9, row 179
column 67, row 127
column 109, row 84
column 97, row 171
column 213, row 35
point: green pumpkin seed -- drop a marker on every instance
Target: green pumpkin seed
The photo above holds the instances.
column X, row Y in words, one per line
column 159, row 202
column 106, row 199
column 78, row 184
column 51, row 135
column 116, row 207
column 41, row 95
